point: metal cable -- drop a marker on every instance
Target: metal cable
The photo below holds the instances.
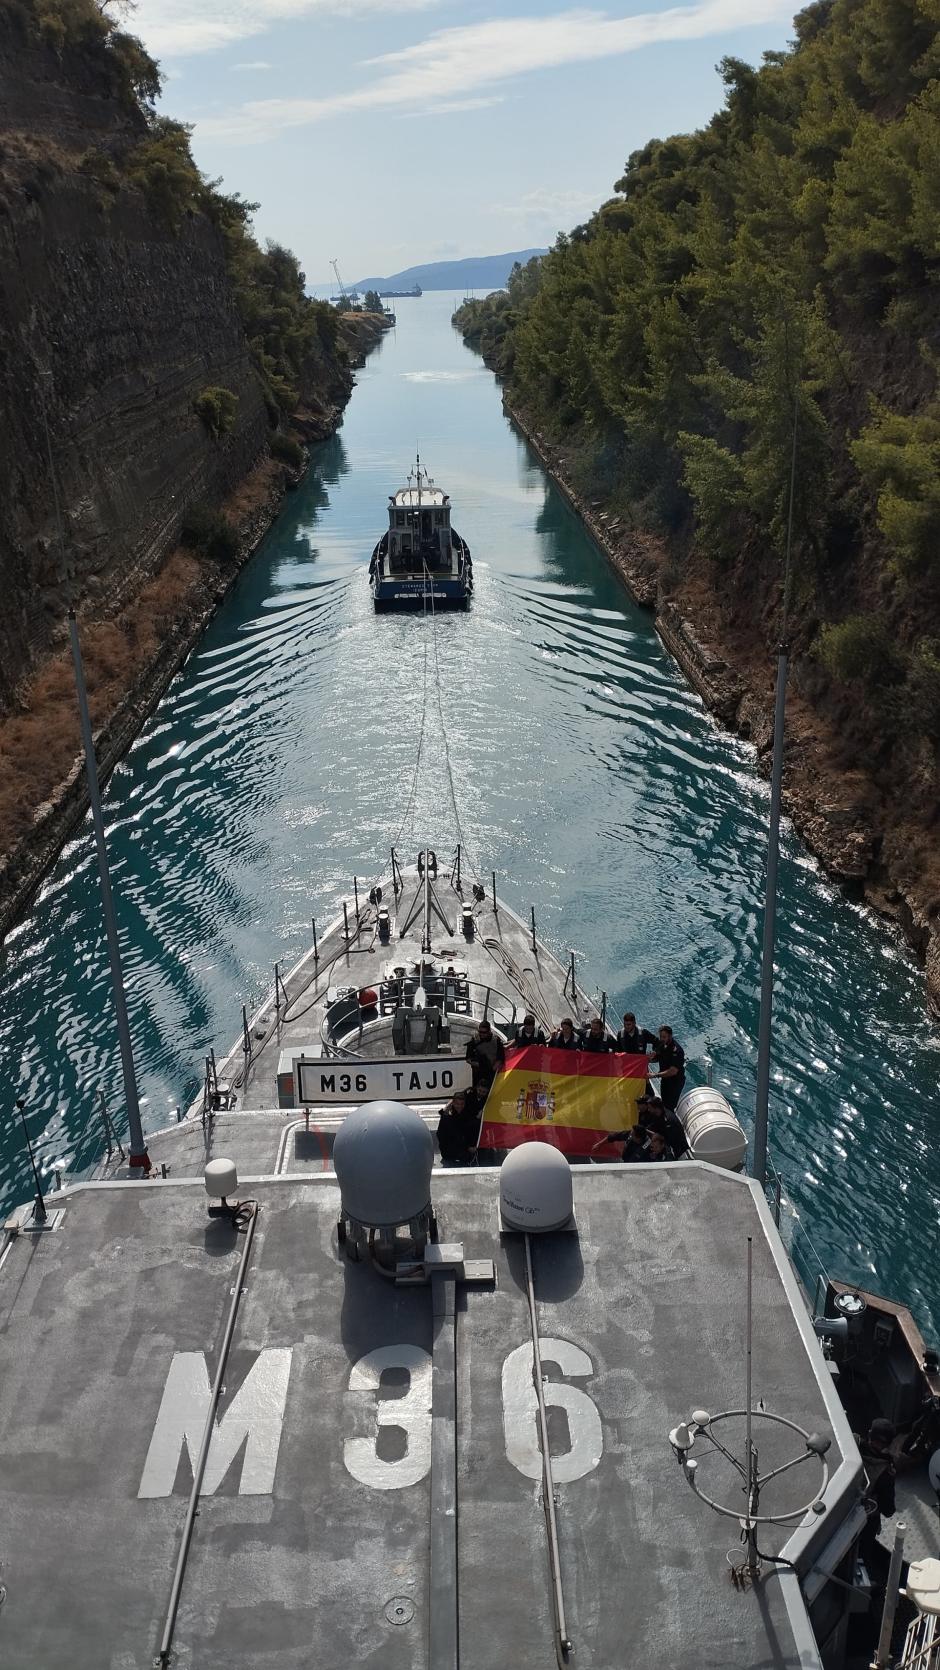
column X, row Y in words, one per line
column 474, row 866
column 163, row 1656
column 409, row 808
column 562, row 1640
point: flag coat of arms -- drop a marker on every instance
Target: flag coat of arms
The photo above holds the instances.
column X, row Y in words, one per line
column 566, row 1097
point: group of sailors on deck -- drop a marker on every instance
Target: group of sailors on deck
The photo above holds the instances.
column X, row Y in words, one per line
column 658, row 1133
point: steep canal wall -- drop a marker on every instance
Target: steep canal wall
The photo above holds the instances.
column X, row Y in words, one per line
column 131, row 654
column 159, row 376
column 835, row 811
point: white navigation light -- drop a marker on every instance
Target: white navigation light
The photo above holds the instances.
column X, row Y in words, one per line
column 221, row 1179
column 535, row 1190
column 382, row 1155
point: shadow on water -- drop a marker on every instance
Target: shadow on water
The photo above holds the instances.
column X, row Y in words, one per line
column 308, row 502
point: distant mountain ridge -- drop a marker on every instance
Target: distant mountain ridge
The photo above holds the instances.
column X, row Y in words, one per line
column 477, row 272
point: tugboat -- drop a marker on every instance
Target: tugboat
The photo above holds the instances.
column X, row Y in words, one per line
column 421, row 562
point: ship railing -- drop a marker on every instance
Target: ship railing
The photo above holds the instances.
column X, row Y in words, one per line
column 921, row 1649
column 811, row 1272
column 457, row 999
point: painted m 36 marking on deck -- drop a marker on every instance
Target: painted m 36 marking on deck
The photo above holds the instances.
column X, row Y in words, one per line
column 411, row 1414
column 254, row 1418
column 520, row 1412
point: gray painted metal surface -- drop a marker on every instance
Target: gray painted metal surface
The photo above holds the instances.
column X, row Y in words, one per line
column 641, row 1318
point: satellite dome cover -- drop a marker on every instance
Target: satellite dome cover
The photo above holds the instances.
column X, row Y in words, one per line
column 383, row 1154
column 535, row 1190
column 221, row 1179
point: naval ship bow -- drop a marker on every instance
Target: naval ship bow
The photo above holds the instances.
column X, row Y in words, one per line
column 404, row 974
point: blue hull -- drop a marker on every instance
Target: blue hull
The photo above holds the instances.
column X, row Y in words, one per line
column 398, row 593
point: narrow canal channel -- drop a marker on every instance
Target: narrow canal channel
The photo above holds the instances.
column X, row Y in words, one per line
column 588, row 775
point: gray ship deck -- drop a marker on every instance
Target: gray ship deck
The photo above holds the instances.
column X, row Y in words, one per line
column 311, row 1544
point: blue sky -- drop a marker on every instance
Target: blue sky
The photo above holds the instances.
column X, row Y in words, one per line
column 387, row 132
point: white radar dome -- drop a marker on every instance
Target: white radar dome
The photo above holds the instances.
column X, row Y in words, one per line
column 535, row 1191
column 382, row 1155
column 221, row 1179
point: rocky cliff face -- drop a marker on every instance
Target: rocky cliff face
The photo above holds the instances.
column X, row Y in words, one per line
column 60, row 97
column 111, row 324
column 119, row 307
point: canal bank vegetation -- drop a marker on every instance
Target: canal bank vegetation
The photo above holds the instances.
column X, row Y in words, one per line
column 785, row 259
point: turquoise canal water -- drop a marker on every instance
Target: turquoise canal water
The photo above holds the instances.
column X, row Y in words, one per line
column 588, row 775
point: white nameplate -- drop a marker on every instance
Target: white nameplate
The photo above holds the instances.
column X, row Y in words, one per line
column 401, row 1078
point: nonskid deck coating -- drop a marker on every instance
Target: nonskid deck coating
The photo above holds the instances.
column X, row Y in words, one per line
column 648, row 1302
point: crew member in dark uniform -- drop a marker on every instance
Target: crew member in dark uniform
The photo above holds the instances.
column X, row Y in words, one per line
column 564, row 1037
column 633, row 1039
column 458, row 1127
column 634, row 1144
column 486, row 1055
column 653, row 1115
column 528, row 1032
column 596, row 1040
column 671, row 1075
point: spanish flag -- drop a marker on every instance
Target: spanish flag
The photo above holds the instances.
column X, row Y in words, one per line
column 565, row 1097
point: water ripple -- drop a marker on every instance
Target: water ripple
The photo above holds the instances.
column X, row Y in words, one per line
column 589, row 776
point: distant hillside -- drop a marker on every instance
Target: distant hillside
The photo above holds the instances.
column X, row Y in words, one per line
column 478, row 272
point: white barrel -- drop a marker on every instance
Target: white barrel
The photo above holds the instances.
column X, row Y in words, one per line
column 711, row 1128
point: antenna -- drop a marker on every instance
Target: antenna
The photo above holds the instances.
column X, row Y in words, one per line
column 762, row 1100
column 39, row 1209
column 139, row 1157
column 700, row 1429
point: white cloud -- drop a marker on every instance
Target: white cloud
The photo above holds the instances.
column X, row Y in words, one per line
column 451, row 106
column 452, row 63
column 188, row 26
column 255, row 64
column 552, row 210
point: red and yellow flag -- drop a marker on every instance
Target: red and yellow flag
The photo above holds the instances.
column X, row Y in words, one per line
column 565, row 1097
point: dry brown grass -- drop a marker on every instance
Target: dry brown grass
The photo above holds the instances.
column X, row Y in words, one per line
column 254, row 491
column 20, row 148
column 39, row 747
